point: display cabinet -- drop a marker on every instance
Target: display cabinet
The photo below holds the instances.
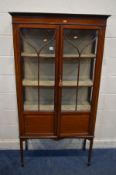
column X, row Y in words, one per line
column 58, row 60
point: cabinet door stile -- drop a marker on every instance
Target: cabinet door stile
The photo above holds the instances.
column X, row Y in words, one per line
column 59, row 79
column 97, row 75
column 56, row 94
column 18, row 71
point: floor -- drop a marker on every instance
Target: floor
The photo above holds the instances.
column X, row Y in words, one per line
column 58, row 162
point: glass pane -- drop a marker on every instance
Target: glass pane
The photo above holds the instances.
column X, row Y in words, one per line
column 46, row 99
column 47, row 72
column 38, row 57
column 30, row 98
column 84, row 99
column 30, row 70
column 76, row 99
column 79, row 56
column 68, row 99
column 34, row 101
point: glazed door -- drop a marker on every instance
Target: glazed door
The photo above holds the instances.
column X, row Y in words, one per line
column 78, row 59
column 39, row 55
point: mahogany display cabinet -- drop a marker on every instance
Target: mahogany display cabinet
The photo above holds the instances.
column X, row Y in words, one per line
column 58, row 59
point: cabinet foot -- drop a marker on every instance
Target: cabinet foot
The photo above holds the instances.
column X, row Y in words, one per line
column 21, row 153
column 90, row 152
column 84, row 145
column 88, row 164
column 26, row 144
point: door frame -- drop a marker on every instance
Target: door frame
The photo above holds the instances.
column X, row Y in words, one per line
column 96, row 81
column 19, row 76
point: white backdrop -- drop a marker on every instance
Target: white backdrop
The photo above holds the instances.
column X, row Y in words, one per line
column 106, row 116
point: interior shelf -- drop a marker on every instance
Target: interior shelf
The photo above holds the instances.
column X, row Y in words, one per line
column 29, row 55
column 77, row 56
column 51, row 83
column 35, row 83
column 81, row 83
column 80, row 107
column 24, row 54
column 34, row 107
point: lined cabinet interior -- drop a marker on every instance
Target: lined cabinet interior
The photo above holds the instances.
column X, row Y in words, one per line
column 78, row 69
column 75, row 68
column 39, row 60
